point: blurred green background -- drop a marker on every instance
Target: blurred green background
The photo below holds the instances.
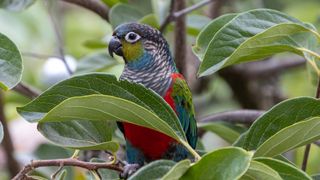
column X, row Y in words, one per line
column 85, row 35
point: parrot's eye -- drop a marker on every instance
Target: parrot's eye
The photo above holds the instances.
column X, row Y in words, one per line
column 132, row 37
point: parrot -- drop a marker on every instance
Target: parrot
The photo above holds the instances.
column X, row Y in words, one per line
column 148, row 61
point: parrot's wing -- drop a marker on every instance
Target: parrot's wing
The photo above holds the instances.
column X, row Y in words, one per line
column 184, row 108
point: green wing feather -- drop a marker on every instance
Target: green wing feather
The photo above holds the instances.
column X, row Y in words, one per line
column 184, row 107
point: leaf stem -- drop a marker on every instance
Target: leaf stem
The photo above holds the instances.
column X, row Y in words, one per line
column 196, row 156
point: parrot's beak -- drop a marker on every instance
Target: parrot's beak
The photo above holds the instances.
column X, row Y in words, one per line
column 115, row 46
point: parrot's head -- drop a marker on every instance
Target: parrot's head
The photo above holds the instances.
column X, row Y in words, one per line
column 137, row 42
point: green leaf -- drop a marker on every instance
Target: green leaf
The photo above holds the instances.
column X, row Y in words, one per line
column 132, row 95
column 256, row 34
column 195, row 23
column 104, row 107
column 153, row 170
column 222, row 129
column 95, row 44
column 285, row 170
column 1, row 132
column 151, row 20
column 144, row 6
column 95, row 62
column 288, row 138
column 84, row 135
column 110, row 3
column 226, row 163
column 124, row 13
column 280, row 116
column 177, row 170
column 11, row 63
column 208, row 32
column 15, row 5
column 258, row 170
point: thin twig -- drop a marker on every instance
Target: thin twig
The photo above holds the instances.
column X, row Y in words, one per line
column 169, row 18
column 308, row 146
column 191, row 8
column 180, row 39
column 12, row 164
column 59, row 41
column 173, row 16
column 92, row 166
column 238, row 116
column 26, row 90
column 96, row 6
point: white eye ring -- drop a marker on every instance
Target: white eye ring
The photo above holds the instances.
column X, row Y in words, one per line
column 132, row 37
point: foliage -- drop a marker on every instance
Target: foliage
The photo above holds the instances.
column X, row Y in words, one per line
column 80, row 112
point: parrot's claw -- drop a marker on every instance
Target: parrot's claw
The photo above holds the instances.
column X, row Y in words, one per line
column 128, row 170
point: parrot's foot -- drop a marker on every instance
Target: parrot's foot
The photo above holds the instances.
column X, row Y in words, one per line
column 128, row 170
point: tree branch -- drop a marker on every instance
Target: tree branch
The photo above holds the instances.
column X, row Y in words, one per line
column 169, row 18
column 65, row 162
column 238, row 116
column 180, row 39
column 271, row 66
column 12, row 164
column 174, row 15
column 96, row 6
column 26, row 90
column 59, row 41
column 191, row 8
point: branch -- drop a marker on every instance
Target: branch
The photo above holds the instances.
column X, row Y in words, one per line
column 65, row 162
column 180, row 39
column 12, row 164
column 95, row 6
column 173, row 16
column 169, row 18
column 238, row 116
column 59, row 41
column 26, row 90
column 271, row 66
column 191, row 8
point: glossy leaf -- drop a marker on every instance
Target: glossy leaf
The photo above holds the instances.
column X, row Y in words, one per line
column 121, row 91
column 222, row 129
column 15, row 5
column 97, row 83
column 96, row 62
column 255, row 34
column 85, row 135
column 124, row 13
column 258, row 170
column 177, row 170
column 226, row 163
column 285, row 170
column 208, row 32
column 10, row 63
column 104, row 107
column 153, row 170
column 293, row 136
column 280, row 116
